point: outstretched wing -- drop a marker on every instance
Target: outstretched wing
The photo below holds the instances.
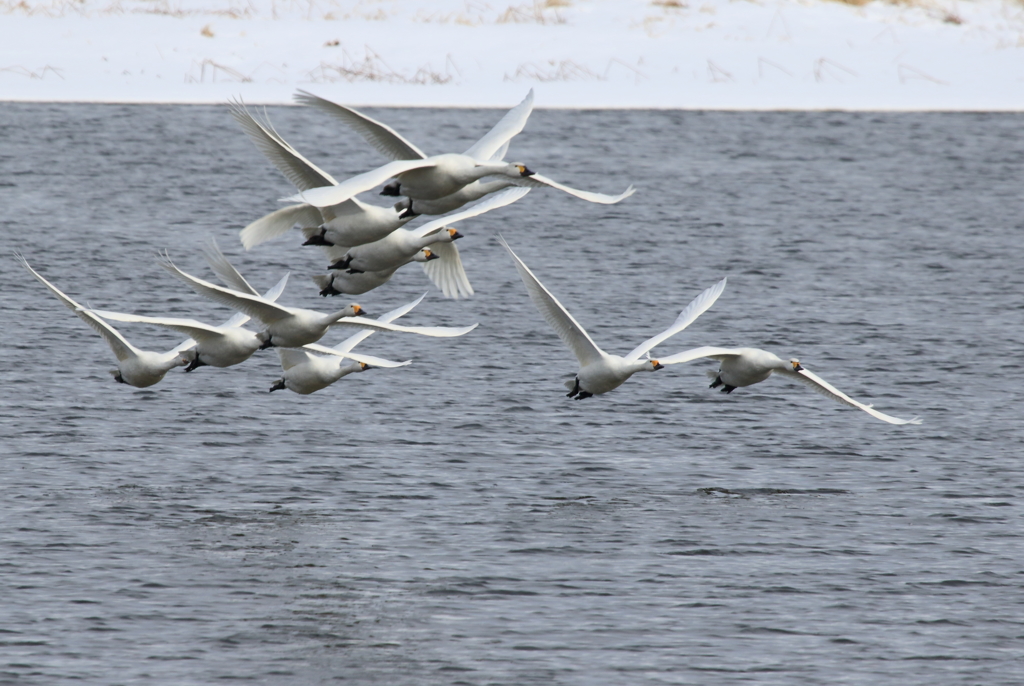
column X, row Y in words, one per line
column 492, row 202
column 252, row 305
column 538, row 181
column 567, row 328
column 190, row 327
column 278, row 223
column 358, row 357
column 352, row 341
column 818, row 384
column 433, row 331
column 348, row 189
column 382, row 137
column 696, row 308
column 224, row 269
column 498, row 137
column 696, row 353
column 296, row 168
column 447, row 272
column 123, row 350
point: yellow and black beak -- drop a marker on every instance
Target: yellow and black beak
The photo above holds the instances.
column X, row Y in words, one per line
column 363, row 366
column 431, row 256
column 523, row 171
column 797, row 367
column 657, row 365
column 454, row 234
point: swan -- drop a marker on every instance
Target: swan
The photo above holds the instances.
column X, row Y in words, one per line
column 307, row 373
column 291, row 327
column 350, row 222
column 401, row 245
column 747, row 366
column 434, row 184
column 338, row 282
column 139, row 368
column 600, row 372
column 217, row 346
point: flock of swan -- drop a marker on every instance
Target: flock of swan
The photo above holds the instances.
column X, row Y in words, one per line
column 366, row 244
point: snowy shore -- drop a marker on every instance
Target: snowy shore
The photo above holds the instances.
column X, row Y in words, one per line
column 701, row 54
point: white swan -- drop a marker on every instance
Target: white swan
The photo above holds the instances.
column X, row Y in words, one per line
column 402, row 245
column 747, row 366
column 139, row 368
column 600, row 372
column 217, row 346
column 291, row 327
column 338, row 282
column 307, row 373
column 347, row 223
column 437, row 184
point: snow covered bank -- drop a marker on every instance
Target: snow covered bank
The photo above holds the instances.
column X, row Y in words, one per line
column 729, row 54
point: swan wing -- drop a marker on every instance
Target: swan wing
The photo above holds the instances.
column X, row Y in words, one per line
column 358, row 357
column 433, row 331
column 291, row 357
column 447, row 272
column 123, row 350
column 352, row 341
column 567, row 328
column 382, row 137
column 224, row 269
column 335, row 195
column 278, row 223
column 696, row 308
column 499, row 136
column 252, row 305
column 273, row 294
column 697, row 353
column 491, row 202
column 190, row 327
column 296, row 168
column 538, row 181
column 818, row 384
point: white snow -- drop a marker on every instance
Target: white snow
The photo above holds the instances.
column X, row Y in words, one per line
column 717, row 54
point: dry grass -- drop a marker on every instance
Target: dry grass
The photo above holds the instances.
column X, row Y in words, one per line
column 41, row 74
column 567, row 70
column 537, row 13
column 208, row 69
column 372, row 67
column 670, row 4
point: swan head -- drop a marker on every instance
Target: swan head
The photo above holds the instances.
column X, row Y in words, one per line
column 354, row 310
column 655, row 365
column 363, row 367
column 454, row 235
column 428, row 255
column 522, row 170
column 796, row 364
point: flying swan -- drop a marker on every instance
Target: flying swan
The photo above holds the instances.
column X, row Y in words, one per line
column 747, row 366
column 139, row 368
column 439, row 183
column 600, row 372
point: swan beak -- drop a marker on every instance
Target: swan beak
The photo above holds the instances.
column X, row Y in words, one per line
column 797, row 367
column 656, row 365
column 523, row 171
column 359, row 312
column 454, row 234
column 431, row 256
column 363, row 366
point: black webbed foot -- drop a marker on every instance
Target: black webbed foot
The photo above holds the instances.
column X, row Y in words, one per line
column 318, row 239
column 584, row 394
column 575, row 389
column 391, row 189
column 329, row 290
column 408, row 211
column 342, row 263
column 196, row 363
column 278, row 386
column 716, row 383
column 728, row 389
column 266, row 344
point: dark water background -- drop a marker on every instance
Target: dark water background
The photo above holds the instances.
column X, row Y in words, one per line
column 459, row 521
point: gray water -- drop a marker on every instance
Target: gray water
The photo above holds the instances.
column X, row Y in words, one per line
column 459, row 521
